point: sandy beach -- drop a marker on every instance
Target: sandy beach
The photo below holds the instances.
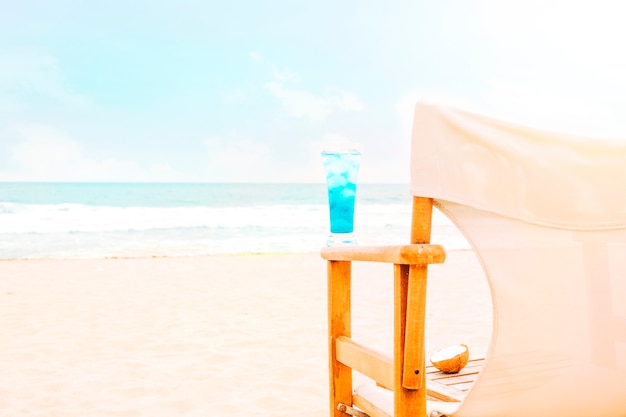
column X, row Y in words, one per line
column 201, row 336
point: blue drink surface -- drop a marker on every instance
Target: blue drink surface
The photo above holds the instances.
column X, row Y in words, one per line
column 341, row 176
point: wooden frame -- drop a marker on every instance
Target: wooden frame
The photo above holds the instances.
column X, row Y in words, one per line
column 405, row 374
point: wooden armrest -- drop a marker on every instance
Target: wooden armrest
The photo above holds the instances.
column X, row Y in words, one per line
column 402, row 254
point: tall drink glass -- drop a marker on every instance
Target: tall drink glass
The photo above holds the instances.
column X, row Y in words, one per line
column 341, row 164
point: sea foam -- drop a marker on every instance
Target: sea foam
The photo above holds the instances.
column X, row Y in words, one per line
column 229, row 223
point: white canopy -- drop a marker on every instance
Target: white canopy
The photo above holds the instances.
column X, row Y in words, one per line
column 517, row 171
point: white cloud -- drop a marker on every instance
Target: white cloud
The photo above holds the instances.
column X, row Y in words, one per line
column 236, row 159
column 551, row 110
column 44, row 153
column 344, row 100
column 165, row 171
column 333, row 140
column 304, row 104
column 531, row 105
column 300, row 103
column 285, row 75
column 33, row 71
column 256, row 56
column 333, row 137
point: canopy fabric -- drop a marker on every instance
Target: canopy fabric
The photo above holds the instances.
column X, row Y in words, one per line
column 517, row 171
column 546, row 216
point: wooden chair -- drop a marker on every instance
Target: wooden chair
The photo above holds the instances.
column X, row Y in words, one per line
column 545, row 214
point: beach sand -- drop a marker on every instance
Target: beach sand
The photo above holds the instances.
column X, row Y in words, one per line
column 201, row 336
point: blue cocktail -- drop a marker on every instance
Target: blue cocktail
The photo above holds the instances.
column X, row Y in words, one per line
column 342, row 168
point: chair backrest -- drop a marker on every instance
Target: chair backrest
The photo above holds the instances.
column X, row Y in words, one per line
column 546, row 216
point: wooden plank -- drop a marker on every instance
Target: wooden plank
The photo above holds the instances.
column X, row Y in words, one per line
column 400, row 254
column 473, row 367
column 371, row 409
column 465, row 371
column 413, row 373
column 456, row 385
column 407, row 402
column 464, row 386
column 339, row 324
column 369, row 362
column 414, row 356
column 454, row 379
column 444, row 392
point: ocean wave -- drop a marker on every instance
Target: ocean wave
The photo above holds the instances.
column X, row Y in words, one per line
column 76, row 230
column 55, row 218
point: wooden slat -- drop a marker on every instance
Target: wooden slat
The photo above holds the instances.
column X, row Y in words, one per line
column 407, row 402
column 453, row 380
column 473, row 366
column 463, row 387
column 400, row 254
column 444, row 392
column 379, row 367
column 368, row 407
column 456, row 385
column 458, row 378
column 414, row 362
column 369, row 362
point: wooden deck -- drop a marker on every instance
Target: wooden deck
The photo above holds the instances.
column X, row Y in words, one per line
column 452, row 387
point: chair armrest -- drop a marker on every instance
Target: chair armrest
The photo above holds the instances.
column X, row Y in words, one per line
column 402, row 254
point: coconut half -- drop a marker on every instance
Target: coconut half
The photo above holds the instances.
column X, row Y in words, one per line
column 452, row 359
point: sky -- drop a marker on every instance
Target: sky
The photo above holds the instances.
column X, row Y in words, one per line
column 250, row 91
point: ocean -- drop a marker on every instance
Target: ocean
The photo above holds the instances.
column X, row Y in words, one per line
column 104, row 220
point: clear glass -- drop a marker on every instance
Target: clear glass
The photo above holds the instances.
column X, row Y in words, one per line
column 341, row 165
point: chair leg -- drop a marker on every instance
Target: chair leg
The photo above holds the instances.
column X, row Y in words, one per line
column 339, row 324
